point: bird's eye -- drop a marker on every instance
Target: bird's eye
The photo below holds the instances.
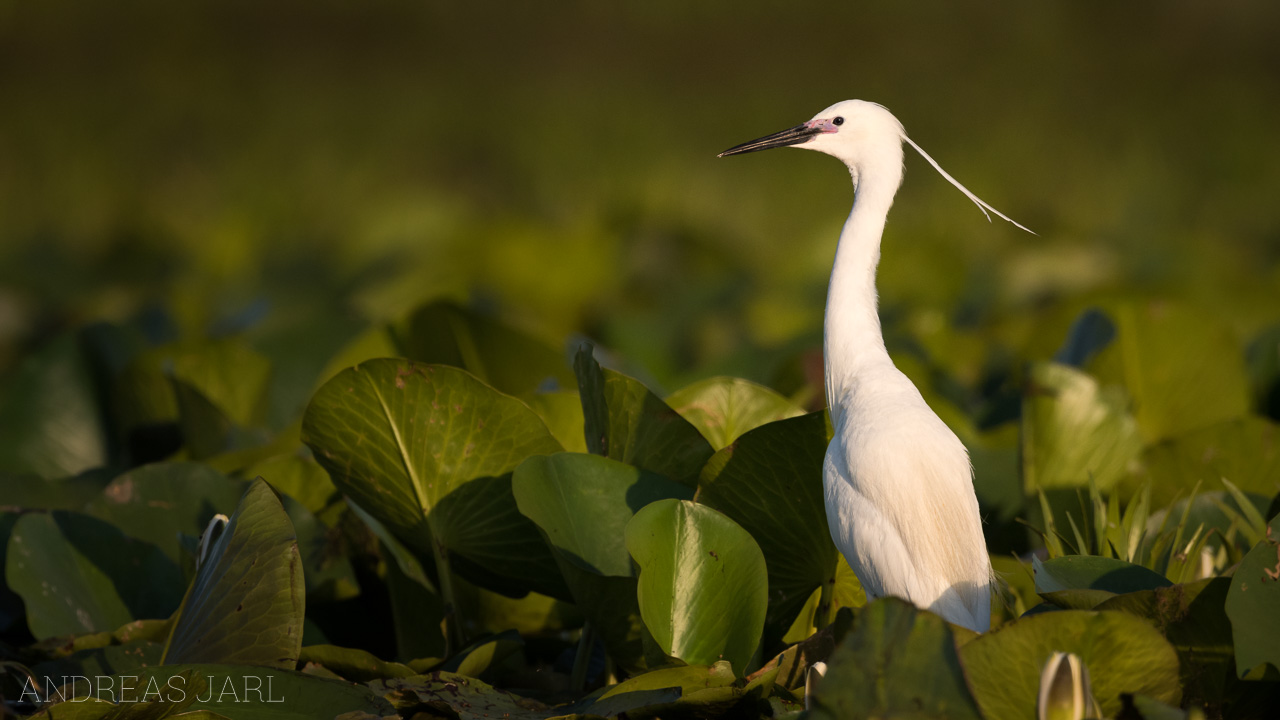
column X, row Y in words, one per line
column 838, row 121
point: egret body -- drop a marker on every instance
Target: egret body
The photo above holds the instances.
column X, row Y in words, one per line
column 898, row 483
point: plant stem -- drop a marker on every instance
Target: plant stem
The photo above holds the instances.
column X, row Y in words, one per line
column 586, row 643
column 822, row 616
column 453, row 640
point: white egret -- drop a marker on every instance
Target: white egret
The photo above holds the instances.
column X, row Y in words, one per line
column 898, row 483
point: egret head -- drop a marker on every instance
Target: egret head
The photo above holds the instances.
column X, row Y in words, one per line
column 855, row 131
column 865, row 136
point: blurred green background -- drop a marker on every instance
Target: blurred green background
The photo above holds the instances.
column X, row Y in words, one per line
column 294, row 172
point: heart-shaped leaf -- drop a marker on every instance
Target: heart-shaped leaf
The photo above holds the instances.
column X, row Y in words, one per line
column 1074, row 430
column 898, row 662
column 1123, row 653
column 627, row 422
column 246, row 603
column 723, row 408
column 398, row 437
column 770, row 483
column 703, row 584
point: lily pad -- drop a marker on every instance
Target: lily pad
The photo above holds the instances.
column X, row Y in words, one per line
column 1074, row 430
column 723, row 408
column 898, row 662
column 246, row 603
column 703, row 585
column 1245, row 451
column 1252, row 601
column 1090, row 572
column 770, row 482
column 627, row 422
column 1124, row 654
column 78, row 574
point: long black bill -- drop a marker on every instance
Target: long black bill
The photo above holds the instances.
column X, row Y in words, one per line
column 793, row 136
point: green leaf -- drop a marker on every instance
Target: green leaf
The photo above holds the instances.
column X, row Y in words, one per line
column 627, row 422
column 245, row 605
column 352, row 663
column 1123, row 653
column 561, row 410
column 691, row 691
column 483, row 654
column 1245, row 451
column 398, row 437
column 49, row 411
column 1252, row 601
column 230, row 374
column 1183, row 369
column 1193, row 619
column 507, row 359
column 723, row 408
column 579, row 502
column 703, row 584
column 1091, row 572
column 1074, row 430
column 78, row 574
column 770, row 483
column 898, row 662
column 299, row 478
column 30, row 492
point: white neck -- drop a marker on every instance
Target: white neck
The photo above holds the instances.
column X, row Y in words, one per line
column 852, row 338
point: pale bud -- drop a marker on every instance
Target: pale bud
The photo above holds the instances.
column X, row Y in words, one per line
column 1064, row 690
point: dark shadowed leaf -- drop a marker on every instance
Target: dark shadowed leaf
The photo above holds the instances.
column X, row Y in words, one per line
column 723, row 408
column 503, row 357
column 770, row 482
column 626, row 422
column 467, row 697
column 1090, row 572
column 703, row 584
column 352, row 663
column 1124, row 654
column 898, row 662
column 246, row 603
column 1252, row 601
column 78, row 574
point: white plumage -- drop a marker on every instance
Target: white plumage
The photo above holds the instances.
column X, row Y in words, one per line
column 899, row 486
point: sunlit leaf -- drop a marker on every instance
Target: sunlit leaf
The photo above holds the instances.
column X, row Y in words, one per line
column 1074, row 430
column 703, row 584
column 1245, row 451
column 723, row 408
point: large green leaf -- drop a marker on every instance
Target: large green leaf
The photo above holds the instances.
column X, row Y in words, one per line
column 1124, row 654
column 561, row 410
column 78, row 574
column 1091, row 572
column 398, row 437
column 1245, row 451
column 898, row 662
column 507, row 359
column 723, row 408
column 579, row 502
column 703, row 584
column 627, row 422
column 246, row 603
column 1074, row 430
column 770, row 482
column 689, row 691
column 300, row 478
column 48, row 409
column 1252, row 604
column 1183, row 368
column 1193, row 619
